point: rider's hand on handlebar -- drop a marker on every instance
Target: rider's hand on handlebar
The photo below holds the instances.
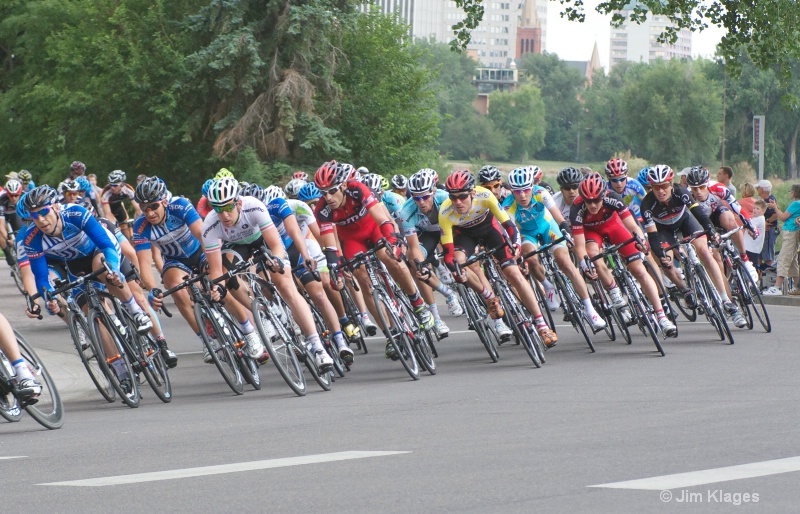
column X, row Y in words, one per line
column 114, row 278
column 53, row 307
column 155, row 301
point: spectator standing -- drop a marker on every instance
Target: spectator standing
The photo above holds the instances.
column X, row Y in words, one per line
column 787, row 262
column 748, row 198
column 764, row 190
column 724, row 176
column 753, row 246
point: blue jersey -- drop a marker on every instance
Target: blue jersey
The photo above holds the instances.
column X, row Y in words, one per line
column 536, row 215
column 279, row 209
column 173, row 236
column 411, row 220
column 393, row 201
column 31, row 185
column 82, row 236
column 632, row 196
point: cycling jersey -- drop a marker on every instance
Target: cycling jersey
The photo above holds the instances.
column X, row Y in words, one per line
column 355, row 225
column 114, row 200
column 281, row 208
column 671, row 212
column 82, row 237
column 253, row 217
column 534, row 220
column 547, row 186
column 412, row 220
column 172, row 236
column 605, row 224
column 484, row 204
column 558, row 198
column 393, row 202
column 719, row 191
column 632, row 196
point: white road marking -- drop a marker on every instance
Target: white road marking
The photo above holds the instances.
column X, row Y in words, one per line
column 14, row 457
column 221, row 469
column 709, row 476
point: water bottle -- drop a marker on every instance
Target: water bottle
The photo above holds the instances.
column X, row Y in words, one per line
column 221, row 322
column 119, row 325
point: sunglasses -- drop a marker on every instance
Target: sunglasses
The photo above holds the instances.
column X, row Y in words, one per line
column 330, row 192
column 697, row 188
column 459, row 197
column 618, row 180
column 114, row 185
column 422, row 198
column 593, row 202
column 571, row 187
column 225, row 208
column 522, row 191
column 494, row 186
column 42, row 213
column 662, row 187
column 154, row 206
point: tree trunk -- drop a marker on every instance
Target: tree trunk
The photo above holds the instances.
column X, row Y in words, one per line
column 793, row 153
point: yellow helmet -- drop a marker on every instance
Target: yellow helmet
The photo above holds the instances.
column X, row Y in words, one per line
column 224, row 173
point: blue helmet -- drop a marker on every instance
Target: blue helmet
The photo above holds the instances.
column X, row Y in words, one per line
column 521, row 178
column 642, row 177
column 22, row 212
column 309, row 192
column 206, row 185
column 83, row 183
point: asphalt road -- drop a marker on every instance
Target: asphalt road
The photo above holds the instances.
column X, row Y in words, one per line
column 477, row 437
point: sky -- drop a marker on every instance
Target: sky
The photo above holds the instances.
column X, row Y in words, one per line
column 573, row 41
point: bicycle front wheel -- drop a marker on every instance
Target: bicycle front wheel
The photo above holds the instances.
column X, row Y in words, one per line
column 399, row 335
column 48, row 409
column 215, row 341
column 100, row 325
column 87, row 350
column 520, row 322
column 644, row 312
column 281, row 351
column 476, row 317
column 155, row 369
column 753, row 296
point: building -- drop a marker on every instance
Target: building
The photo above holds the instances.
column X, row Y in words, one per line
column 587, row 68
column 638, row 42
column 489, row 80
column 529, row 31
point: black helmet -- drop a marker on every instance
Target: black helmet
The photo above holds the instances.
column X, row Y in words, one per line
column 149, row 190
column 40, row 197
column 698, row 176
column 489, row 174
column 569, row 176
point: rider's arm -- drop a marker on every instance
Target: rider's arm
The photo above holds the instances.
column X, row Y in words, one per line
column 102, row 239
column 446, row 226
column 146, row 267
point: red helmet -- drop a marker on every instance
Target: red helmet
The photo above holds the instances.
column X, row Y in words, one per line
column 78, row 167
column 616, row 168
column 302, row 175
column 327, row 176
column 460, row 180
column 592, row 187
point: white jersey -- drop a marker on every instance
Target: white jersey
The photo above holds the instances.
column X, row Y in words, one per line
column 304, row 214
column 558, row 198
column 253, row 217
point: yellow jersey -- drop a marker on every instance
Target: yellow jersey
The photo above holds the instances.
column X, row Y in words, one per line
column 484, row 204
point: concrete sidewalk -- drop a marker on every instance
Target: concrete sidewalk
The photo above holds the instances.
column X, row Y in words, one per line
column 71, row 378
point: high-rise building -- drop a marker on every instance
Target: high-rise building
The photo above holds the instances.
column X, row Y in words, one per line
column 638, row 42
column 529, row 30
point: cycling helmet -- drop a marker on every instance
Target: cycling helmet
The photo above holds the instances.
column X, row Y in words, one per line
column 348, row 171
column 373, row 182
column 399, row 182
column 538, row 174
column 642, row 177
column 592, row 187
column 22, row 211
column 69, row 185
column 223, row 191
column 293, row 187
column 206, row 185
column 301, row 175
column 270, row 193
column 616, row 168
column 24, row 176
column 14, row 187
column 569, row 176
column 489, row 174
column 698, row 176
column 309, row 192
column 660, row 173
column 521, row 178
column 224, row 173
column 460, row 180
column 244, row 185
column 422, row 181
column 149, row 190
column 78, row 167
column 327, row 176
column 250, row 190
column 116, row 177
column 40, row 197
column 363, row 170
column 83, row 183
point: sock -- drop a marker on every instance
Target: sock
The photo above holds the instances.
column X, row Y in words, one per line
column 131, row 306
column 724, row 296
column 443, row 290
column 487, row 293
column 365, row 316
column 338, row 338
column 587, row 304
column 315, row 343
column 435, row 311
column 660, row 314
column 247, row 327
column 22, row 369
column 498, row 322
column 539, row 322
column 344, row 320
column 416, row 299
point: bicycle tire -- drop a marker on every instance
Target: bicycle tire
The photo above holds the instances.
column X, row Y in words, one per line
column 324, row 380
column 677, row 298
column 339, row 365
column 10, row 408
column 573, row 307
column 478, row 322
column 757, row 303
column 280, row 352
column 422, row 342
column 398, row 337
column 155, row 369
column 15, row 274
column 703, row 298
column 520, row 323
column 355, row 317
column 666, row 304
column 645, row 314
column 48, row 410
column 716, row 303
column 739, row 295
column 218, row 348
column 95, row 321
column 541, row 300
column 87, row 351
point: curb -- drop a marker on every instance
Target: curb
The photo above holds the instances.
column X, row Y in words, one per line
column 784, row 300
column 68, row 373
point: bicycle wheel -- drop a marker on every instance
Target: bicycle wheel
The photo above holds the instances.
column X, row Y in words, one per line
column 399, row 335
column 215, row 339
column 573, row 307
column 352, row 312
column 739, row 294
column 339, row 365
column 280, row 351
column 644, row 312
column 87, row 351
column 99, row 323
column 537, row 289
column 154, row 368
column 715, row 302
column 520, row 321
column 666, row 304
column 753, row 296
column 477, row 318
column 15, row 274
column 422, row 341
column 9, row 405
column 307, row 357
column 48, row 409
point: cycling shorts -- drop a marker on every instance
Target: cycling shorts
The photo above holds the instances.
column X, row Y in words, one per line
column 190, row 264
column 428, row 241
column 687, row 224
column 615, row 232
column 295, row 259
column 544, row 233
column 488, row 233
column 359, row 237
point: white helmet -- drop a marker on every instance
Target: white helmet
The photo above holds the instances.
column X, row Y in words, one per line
column 13, row 186
column 293, row 187
column 422, row 181
column 223, row 191
column 272, row 192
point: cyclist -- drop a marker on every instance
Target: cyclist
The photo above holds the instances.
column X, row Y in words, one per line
column 113, row 198
column 26, row 178
column 309, row 194
column 9, row 198
column 669, row 208
column 472, row 216
column 71, row 193
column 717, row 202
column 76, row 170
column 540, row 222
column 491, row 179
column 203, row 207
column 293, row 187
column 350, row 209
column 568, row 180
column 27, row 387
column 224, row 173
column 300, row 175
column 631, row 191
column 390, row 199
column 243, row 225
column 538, row 175
column 292, row 219
column 399, row 185
column 643, row 180
column 600, row 213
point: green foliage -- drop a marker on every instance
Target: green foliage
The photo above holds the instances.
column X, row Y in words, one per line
column 520, row 115
column 473, row 135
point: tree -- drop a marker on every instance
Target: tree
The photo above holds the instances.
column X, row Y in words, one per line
column 603, row 104
column 520, row 115
column 474, row 135
column 670, row 113
column 559, row 85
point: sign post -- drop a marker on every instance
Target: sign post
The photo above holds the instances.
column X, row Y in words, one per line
column 758, row 143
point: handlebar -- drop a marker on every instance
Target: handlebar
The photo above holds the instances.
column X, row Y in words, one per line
column 544, row 248
column 611, row 249
column 686, row 240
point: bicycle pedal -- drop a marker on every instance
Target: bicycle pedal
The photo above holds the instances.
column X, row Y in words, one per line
column 239, row 344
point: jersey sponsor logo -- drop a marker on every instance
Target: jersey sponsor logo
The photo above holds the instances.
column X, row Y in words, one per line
column 31, row 235
column 210, row 228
